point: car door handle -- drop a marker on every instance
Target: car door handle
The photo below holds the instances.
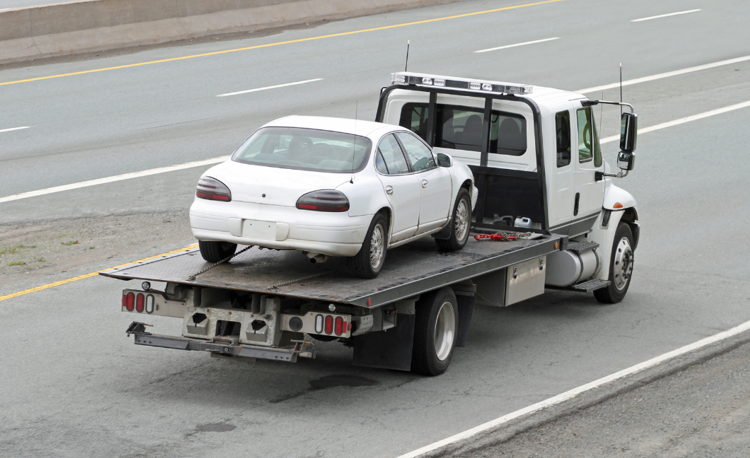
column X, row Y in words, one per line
column 389, row 190
column 424, row 183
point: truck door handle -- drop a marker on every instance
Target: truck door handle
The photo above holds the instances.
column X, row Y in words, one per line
column 424, row 183
column 389, row 190
column 575, row 206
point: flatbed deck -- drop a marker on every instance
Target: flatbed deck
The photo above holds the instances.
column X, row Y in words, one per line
column 409, row 270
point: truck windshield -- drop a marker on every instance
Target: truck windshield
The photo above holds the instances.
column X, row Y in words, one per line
column 305, row 149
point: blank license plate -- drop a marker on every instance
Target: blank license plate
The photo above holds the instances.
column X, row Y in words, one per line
column 264, row 230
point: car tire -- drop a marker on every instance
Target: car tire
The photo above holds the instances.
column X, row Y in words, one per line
column 216, row 251
column 460, row 223
column 620, row 267
column 435, row 331
column 371, row 257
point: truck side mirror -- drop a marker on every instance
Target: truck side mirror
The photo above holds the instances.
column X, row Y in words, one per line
column 628, row 132
column 625, row 160
column 444, row 160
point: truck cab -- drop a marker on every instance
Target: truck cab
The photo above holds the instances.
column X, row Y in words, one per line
column 537, row 162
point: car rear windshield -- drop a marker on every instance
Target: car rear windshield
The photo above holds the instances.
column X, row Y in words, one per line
column 305, row 149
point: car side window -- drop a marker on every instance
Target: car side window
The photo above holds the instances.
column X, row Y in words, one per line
column 390, row 159
column 562, row 128
column 418, row 153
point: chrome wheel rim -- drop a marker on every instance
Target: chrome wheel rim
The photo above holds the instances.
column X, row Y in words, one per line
column 622, row 268
column 461, row 220
column 377, row 246
column 445, row 331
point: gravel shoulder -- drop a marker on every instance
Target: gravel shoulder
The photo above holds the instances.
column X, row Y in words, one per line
column 32, row 251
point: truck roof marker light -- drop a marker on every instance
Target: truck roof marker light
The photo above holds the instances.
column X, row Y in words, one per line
column 369, row 302
column 461, row 84
column 617, row 205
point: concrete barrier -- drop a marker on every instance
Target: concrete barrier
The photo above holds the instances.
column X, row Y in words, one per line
column 97, row 25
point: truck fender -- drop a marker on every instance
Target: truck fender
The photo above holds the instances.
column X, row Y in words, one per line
column 614, row 195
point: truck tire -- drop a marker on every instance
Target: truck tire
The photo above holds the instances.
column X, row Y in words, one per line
column 216, row 251
column 460, row 223
column 620, row 267
column 435, row 329
column 371, row 257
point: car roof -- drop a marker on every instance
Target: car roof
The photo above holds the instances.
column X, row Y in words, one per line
column 344, row 125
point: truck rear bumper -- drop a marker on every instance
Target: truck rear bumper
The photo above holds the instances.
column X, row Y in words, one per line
column 300, row 348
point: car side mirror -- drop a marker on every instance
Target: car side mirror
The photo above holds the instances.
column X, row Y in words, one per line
column 444, row 160
column 628, row 132
column 625, row 160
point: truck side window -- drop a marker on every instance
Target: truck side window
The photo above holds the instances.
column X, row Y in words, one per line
column 562, row 127
column 508, row 134
column 588, row 141
column 418, row 153
column 393, row 158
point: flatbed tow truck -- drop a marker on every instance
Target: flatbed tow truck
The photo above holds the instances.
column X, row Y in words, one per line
column 270, row 304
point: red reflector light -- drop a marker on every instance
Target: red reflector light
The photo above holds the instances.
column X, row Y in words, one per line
column 340, row 329
column 130, row 301
column 124, row 301
column 139, row 303
column 329, row 324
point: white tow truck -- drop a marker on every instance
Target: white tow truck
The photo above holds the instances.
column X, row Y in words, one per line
column 547, row 216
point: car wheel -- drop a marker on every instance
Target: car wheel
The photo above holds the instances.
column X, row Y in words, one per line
column 460, row 224
column 216, row 251
column 435, row 329
column 369, row 261
column 620, row 267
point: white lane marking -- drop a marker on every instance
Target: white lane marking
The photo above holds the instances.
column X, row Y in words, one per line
column 112, row 179
column 664, row 75
column 14, row 128
column 677, row 122
column 665, row 15
column 269, row 87
column 568, row 395
column 517, row 44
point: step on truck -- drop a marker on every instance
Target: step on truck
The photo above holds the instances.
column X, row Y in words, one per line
column 548, row 216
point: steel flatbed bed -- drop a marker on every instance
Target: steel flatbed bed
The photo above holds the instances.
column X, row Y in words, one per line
column 410, row 270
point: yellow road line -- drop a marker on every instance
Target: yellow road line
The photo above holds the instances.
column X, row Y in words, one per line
column 92, row 274
column 301, row 40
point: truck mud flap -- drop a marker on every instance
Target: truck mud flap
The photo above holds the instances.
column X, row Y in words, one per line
column 389, row 349
column 301, row 348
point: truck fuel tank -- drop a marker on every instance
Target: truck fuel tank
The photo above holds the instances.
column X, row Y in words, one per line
column 574, row 265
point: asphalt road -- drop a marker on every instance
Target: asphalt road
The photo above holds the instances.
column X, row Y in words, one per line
column 74, row 385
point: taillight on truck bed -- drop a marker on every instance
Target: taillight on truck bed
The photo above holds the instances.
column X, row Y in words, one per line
column 138, row 302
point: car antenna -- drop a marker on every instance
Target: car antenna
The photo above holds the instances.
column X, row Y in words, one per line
column 406, row 65
column 354, row 146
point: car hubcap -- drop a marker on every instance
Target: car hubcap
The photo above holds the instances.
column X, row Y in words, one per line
column 623, row 267
column 445, row 331
column 461, row 220
column 376, row 247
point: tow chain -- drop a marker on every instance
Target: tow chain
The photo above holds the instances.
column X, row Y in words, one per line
column 507, row 236
column 206, row 269
column 284, row 283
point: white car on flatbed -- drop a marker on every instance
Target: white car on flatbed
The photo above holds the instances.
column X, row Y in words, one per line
column 332, row 187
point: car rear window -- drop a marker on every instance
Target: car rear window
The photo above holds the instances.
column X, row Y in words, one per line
column 305, row 149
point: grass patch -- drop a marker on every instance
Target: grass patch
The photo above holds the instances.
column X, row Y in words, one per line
column 72, row 242
column 91, row 248
column 14, row 249
column 17, row 263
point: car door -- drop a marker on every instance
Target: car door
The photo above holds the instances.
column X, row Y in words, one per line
column 589, row 192
column 435, row 183
column 401, row 187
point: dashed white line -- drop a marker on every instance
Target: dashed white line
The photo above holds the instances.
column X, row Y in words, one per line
column 14, row 128
column 659, row 76
column 112, row 179
column 517, row 44
column 269, row 87
column 568, row 395
column 665, row 15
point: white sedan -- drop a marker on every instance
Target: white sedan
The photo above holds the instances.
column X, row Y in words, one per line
column 332, row 187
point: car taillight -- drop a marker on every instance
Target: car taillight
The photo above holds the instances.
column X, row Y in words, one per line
column 213, row 189
column 324, row 200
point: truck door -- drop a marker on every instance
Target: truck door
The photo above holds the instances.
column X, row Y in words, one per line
column 435, row 183
column 401, row 187
column 589, row 192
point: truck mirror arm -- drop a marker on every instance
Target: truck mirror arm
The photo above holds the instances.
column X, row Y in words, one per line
column 620, row 174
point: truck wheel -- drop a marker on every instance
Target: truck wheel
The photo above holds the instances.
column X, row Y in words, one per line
column 216, row 251
column 369, row 261
column 435, row 328
column 460, row 224
column 620, row 267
